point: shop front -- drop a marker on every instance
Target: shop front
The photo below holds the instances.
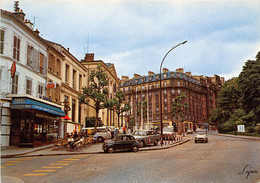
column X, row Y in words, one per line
column 34, row 121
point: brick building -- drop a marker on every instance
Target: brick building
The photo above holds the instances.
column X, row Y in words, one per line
column 201, row 95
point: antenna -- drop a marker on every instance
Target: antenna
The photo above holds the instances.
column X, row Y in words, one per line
column 34, row 17
column 88, row 45
column 16, row 6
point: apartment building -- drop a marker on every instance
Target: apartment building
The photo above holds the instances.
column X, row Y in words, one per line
column 108, row 117
column 201, row 94
column 28, row 117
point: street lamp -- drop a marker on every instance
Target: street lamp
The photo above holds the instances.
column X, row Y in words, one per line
column 161, row 87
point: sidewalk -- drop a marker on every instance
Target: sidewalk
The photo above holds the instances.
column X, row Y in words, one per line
column 47, row 150
column 237, row 136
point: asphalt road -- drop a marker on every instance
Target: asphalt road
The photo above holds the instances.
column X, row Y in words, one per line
column 222, row 159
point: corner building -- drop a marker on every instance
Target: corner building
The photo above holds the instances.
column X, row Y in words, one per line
column 201, row 93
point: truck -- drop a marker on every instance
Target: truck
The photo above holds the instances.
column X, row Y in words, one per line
column 146, row 137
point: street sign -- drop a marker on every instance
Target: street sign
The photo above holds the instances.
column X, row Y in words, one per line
column 241, row 128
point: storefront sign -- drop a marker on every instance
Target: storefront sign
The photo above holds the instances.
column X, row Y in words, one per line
column 13, row 69
column 51, row 85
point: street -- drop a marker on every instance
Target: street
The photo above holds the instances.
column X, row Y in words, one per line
column 222, row 159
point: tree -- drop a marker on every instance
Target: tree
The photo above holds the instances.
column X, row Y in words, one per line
column 96, row 91
column 141, row 111
column 179, row 110
column 249, row 84
column 119, row 105
column 90, row 121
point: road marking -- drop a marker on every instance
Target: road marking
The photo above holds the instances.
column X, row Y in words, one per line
column 59, row 164
column 52, row 167
column 71, row 159
column 212, row 150
column 2, row 166
column 9, row 164
column 14, row 161
column 35, row 174
column 64, row 161
column 203, row 157
column 44, row 170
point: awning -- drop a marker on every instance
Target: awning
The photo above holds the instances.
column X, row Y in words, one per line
column 27, row 103
column 65, row 117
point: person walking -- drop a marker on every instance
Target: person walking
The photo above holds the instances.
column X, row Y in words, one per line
column 124, row 130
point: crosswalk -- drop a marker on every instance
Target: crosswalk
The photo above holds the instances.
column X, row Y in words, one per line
column 15, row 161
column 52, row 167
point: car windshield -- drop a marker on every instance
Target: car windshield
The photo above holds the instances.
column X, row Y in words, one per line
column 201, row 133
column 139, row 133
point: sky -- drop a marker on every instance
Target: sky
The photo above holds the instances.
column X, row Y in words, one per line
column 135, row 35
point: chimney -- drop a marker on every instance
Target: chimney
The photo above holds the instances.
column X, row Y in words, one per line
column 124, row 78
column 165, row 70
column 20, row 15
column 150, row 73
column 37, row 31
column 68, row 49
column 188, row 73
column 179, row 70
column 28, row 23
column 89, row 57
column 137, row 75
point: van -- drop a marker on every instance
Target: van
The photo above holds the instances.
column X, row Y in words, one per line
column 102, row 133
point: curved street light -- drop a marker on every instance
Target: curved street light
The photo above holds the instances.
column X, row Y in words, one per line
column 161, row 87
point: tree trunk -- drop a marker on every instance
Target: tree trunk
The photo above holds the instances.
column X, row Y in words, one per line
column 118, row 119
column 96, row 122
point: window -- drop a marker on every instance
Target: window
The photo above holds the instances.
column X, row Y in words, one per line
column 164, row 84
column 16, row 50
column 51, row 63
column 80, row 82
column 157, row 85
column 74, row 78
column 165, row 75
column 73, row 109
column 40, row 89
column 29, row 56
column 29, row 86
column 143, row 87
column 173, row 91
column 2, row 41
column 179, row 91
column 41, row 66
column 15, row 84
column 165, row 92
column 178, row 83
column 157, row 109
column 58, row 66
column 150, row 87
column 67, row 73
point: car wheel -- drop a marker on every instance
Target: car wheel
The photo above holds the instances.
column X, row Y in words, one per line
column 142, row 144
column 207, row 141
column 105, row 151
column 195, row 141
column 110, row 150
column 135, row 148
column 156, row 142
column 100, row 139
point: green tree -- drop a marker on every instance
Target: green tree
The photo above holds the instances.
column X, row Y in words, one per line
column 179, row 110
column 90, row 121
column 96, row 91
column 249, row 84
column 141, row 111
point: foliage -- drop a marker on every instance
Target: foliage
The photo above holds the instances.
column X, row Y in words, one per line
column 239, row 101
column 249, row 83
column 96, row 91
column 180, row 108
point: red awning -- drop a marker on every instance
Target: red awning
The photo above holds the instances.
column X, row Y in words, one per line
column 65, row 117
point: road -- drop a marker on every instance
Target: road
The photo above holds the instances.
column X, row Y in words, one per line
column 222, row 159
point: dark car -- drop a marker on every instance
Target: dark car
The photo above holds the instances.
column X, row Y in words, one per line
column 121, row 143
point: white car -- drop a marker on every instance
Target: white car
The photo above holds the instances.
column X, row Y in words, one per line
column 201, row 136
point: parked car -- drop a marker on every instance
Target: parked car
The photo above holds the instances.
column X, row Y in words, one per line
column 201, row 135
column 142, row 136
column 121, row 143
column 102, row 133
column 189, row 131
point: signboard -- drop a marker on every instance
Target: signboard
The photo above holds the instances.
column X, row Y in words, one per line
column 240, row 128
column 51, row 85
column 13, row 69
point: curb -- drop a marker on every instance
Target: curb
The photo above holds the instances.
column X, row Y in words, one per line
column 79, row 153
column 233, row 136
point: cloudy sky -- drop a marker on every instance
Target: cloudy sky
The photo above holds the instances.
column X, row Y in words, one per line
column 135, row 35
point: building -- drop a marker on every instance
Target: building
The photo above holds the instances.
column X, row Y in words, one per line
column 201, row 94
column 28, row 116
column 73, row 77
column 107, row 116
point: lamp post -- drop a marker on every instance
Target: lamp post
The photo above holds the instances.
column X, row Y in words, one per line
column 161, row 86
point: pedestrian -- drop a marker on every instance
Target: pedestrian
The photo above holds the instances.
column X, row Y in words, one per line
column 75, row 135
column 124, row 130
